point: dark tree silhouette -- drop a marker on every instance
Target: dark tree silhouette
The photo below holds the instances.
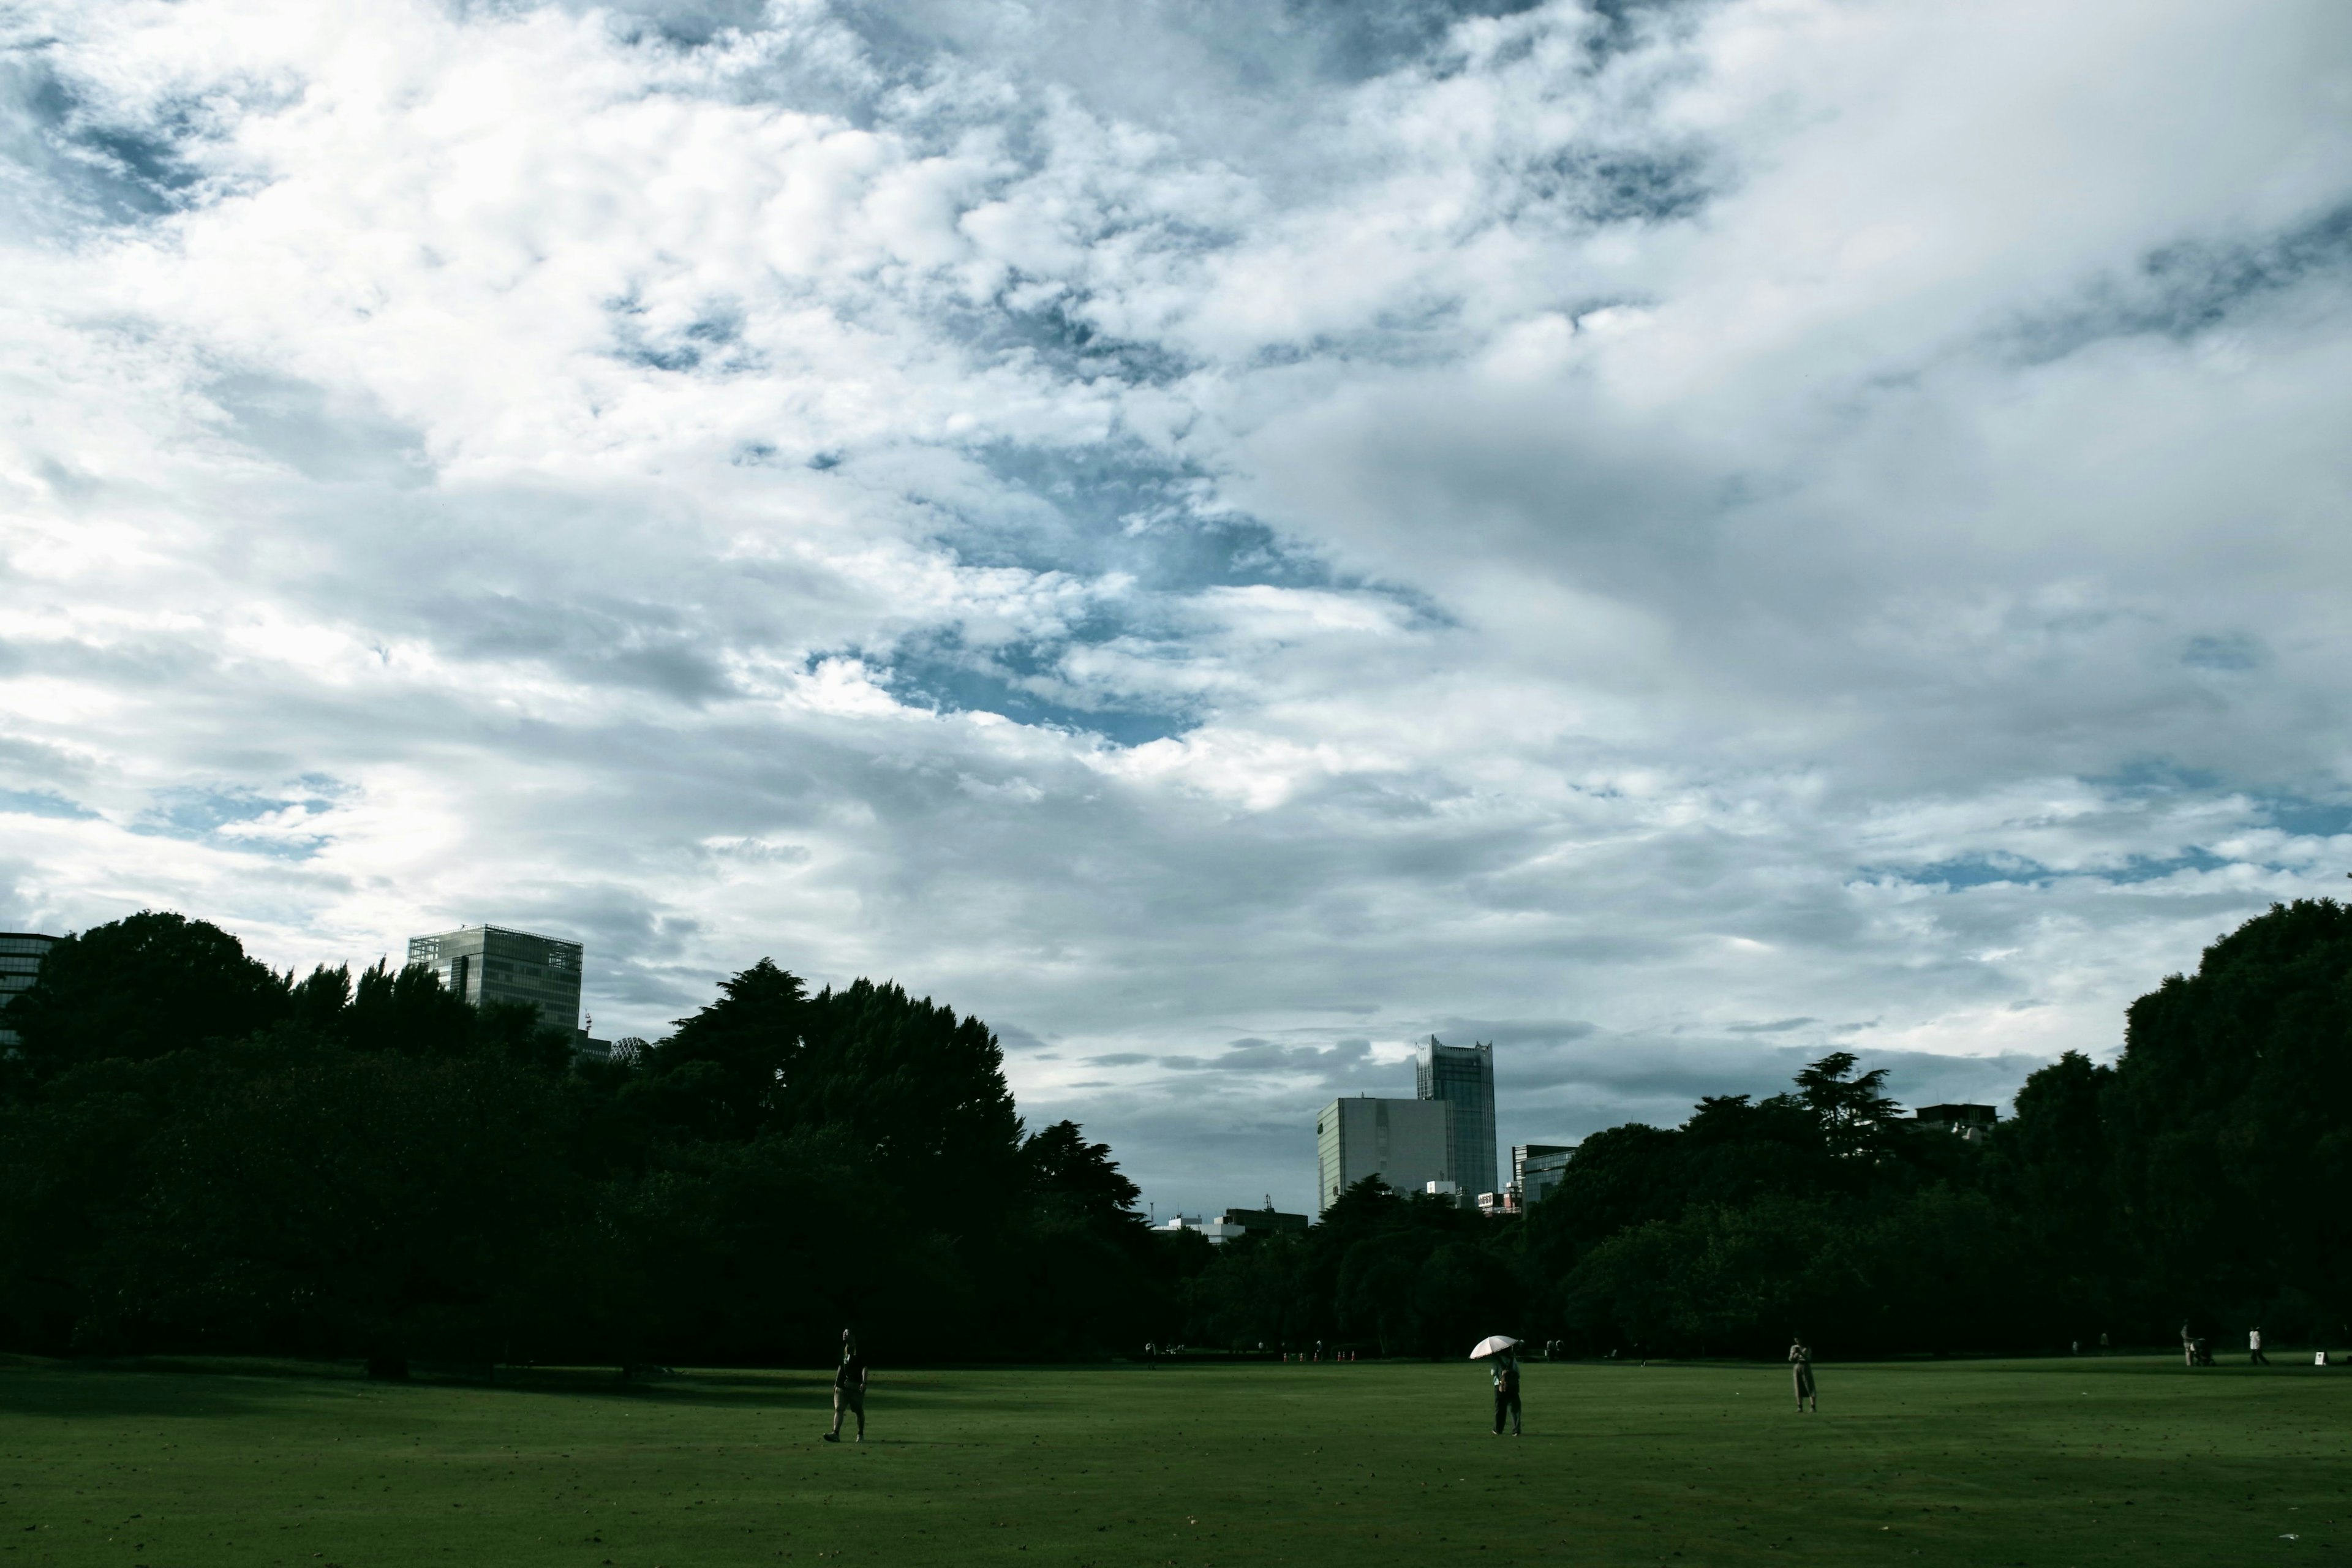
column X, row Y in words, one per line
column 1853, row 1111
column 141, row 987
column 196, row 1153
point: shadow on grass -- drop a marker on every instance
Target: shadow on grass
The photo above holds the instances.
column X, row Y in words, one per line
column 71, row 1391
column 228, row 1386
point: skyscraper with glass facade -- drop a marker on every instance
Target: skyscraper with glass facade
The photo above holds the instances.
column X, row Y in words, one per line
column 1461, row 1077
column 492, row 963
column 21, row 952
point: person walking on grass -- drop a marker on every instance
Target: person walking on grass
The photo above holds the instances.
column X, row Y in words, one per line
column 1506, row 1368
column 1801, row 1371
column 2254, row 1356
column 848, row 1388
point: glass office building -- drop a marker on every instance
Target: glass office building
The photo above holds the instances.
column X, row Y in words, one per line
column 492, row 963
column 1461, row 1077
column 1401, row 1142
column 1537, row 1169
column 21, row 952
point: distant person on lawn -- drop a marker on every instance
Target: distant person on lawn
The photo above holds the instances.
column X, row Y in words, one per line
column 2254, row 1356
column 848, row 1387
column 1506, row 1368
column 1801, row 1371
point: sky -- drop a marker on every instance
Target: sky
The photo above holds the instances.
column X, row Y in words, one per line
column 1223, row 538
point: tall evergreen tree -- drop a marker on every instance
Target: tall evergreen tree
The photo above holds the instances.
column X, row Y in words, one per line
column 141, row 986
column 1853, row 1111
column 923, row 1088
column 2231, row 1120
column 723, row 1073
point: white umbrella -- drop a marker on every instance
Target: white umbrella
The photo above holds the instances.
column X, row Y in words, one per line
column 1493, row 1344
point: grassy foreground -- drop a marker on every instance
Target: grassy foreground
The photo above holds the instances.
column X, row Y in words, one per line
column 2074, row 1462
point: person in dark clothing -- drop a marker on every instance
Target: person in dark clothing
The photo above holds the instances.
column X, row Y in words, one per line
column 848, row 1388
column 1506, row 1392
column 1801, row 1371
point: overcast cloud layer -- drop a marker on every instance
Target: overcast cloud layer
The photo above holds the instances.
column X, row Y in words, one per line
column 1222, row 537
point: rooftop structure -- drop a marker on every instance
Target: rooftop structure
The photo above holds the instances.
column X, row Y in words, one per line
column 1968, row 1121
column 21, row 952
column 1217, row 1231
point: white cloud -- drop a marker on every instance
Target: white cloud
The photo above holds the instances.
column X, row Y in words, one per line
column 1671, row 542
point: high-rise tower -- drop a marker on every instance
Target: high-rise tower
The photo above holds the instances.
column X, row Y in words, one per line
column 1462, row 1079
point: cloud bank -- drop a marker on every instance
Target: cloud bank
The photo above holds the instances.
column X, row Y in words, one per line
column 1222, row 538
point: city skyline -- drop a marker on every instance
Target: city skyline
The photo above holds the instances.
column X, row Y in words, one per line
column 1223, row 541
column 1450, row 1134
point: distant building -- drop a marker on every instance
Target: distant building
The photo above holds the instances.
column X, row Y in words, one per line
column 1462, row 1079
column 1494, row 1205
column 1217, row 1231
column 21, row 952
column 491, row 964
column 1232, row 1225
column 1970, row 1121
column 1535, row 1170
column 486, row 964
column 1401, row 1142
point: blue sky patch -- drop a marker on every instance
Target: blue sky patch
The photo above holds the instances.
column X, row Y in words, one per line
column 1115, row 509
column 201, row 816
column 1018, row 681
column 1964, row 871
column 117, row 170
column 2306, row 818
column 42, row 803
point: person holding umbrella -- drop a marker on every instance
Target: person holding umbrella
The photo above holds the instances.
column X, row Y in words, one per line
column 1500, row 1352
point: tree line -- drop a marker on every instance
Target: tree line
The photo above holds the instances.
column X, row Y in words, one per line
column 2199, row 1182
column 199, row 1153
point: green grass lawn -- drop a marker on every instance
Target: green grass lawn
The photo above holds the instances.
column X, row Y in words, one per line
column 2109, row 1461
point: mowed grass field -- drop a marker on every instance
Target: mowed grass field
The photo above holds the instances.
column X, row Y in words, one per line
column 2127, row 1460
